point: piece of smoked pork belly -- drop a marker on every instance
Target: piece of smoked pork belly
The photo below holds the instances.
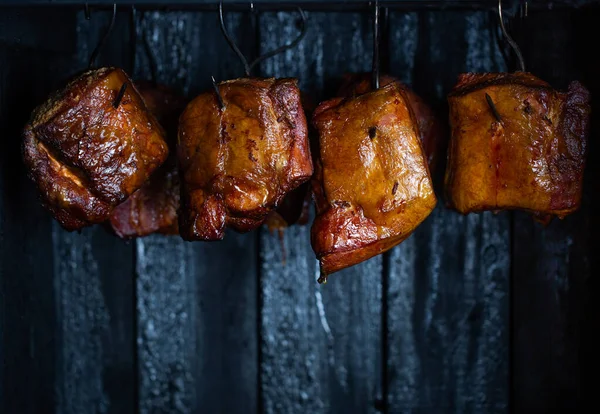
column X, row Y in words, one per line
column 238, row 161
column 371, row 186
column 516, row 144
column 87, row 150
column 153, row 208
column 431, row 131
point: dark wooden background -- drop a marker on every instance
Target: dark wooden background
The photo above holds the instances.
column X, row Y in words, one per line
column 479, row 314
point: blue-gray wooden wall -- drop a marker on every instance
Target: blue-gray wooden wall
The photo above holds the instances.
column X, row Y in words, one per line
column 477, row 314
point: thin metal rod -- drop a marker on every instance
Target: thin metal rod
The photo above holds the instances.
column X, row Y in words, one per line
column 510, row 40
column 375, row 67
column 492, row 106
column 288, row 46
column 231, row 42
column 219, row 97
column 248, row 67
column 120, row 95
column 104, row 38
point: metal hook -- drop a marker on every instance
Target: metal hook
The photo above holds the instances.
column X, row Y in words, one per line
column 219, row 97
column 248, row 67
column 120, row 95
column 509, row 39
column 231, row 42
column 104, row 38
column 289, row 46
column 375, row 67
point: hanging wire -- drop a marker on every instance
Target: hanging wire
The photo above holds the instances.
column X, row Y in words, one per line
column 510, row 40
column 375, row 68
column 100, row 45
column 290, row 45
column 231, row 42
column 248, row 67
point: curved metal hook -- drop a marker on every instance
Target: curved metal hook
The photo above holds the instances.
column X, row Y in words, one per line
column 231, row 42
column 104, row 38
column 288, row 46
column 375, row 66
column 509, row 39
column 238, row 52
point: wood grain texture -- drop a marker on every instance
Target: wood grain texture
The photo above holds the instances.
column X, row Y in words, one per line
column 320, row 344
column 27, row 297
column 94, row 288
column 70, row 339
column 448, row 304
column 31, row 66
column 196, row 302
column 553, row 265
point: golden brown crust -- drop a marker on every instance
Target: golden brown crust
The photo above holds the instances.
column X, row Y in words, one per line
column 371, row 186
column 237, row 164
column 532, row 159
column 430, row 128
column 87, row 156
column 153, row 208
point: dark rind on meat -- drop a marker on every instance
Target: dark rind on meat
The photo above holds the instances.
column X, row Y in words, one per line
column 102, row 189
column 470, row 82
column 208, row 220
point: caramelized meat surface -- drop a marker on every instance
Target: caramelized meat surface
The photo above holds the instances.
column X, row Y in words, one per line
column 85, row 155
column 153, row 208
column 238, row 163
column 516, row 144
column 295, row 206
column 371, row 186
column 430, row 128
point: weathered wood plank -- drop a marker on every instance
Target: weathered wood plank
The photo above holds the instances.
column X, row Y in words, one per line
column 37, row 340
column 449, row 282
column 27, row 297
column 197, row 338
column 553, row 265
column 320, row 344
column 584, row 320
column 94, row 286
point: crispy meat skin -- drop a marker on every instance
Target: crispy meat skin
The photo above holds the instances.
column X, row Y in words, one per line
column 153, row 208
column 430, row 128
column 295, row 206
column 371, row 185
column 86, row 156
column 238, row 164
column 533, row 160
